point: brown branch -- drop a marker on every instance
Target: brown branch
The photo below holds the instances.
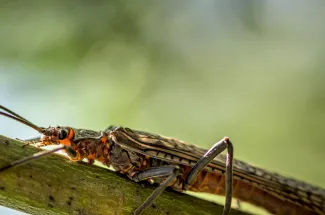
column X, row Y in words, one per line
column 55, row 185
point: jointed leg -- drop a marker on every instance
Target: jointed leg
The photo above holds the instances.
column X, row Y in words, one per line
column 70, row 151
column 163, row 171
column 206, row 159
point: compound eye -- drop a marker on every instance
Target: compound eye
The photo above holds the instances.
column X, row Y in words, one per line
column 63, row 134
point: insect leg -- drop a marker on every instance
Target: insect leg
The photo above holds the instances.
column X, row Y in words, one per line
column 170, row 171
column 215, row 150
column 153, row 172
column 70, row 151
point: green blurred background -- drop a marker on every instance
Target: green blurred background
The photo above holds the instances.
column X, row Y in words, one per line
column 196, row 70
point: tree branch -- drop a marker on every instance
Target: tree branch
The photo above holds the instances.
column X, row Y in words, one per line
column 55, row 185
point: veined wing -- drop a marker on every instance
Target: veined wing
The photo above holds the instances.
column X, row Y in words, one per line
column 177, row 151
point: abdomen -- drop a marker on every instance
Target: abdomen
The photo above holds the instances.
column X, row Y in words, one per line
column 214, row 183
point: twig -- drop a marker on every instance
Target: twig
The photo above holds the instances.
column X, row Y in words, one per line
column 55, row 185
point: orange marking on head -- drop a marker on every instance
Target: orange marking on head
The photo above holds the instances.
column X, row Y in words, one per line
column 67, row 141
column 71, row 134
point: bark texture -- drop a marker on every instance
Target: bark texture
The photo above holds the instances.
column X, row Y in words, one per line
column 55, row 185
